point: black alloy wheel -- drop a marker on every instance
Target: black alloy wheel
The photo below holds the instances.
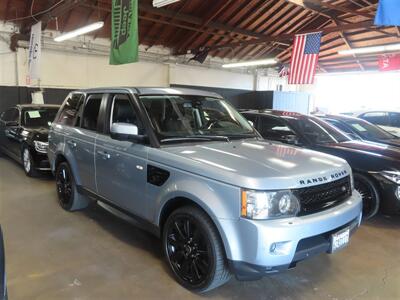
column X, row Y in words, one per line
column 194, row 250
column 65, row 185
column 369, row 194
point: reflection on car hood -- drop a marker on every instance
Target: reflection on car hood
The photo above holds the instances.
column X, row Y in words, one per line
column 392, row 142
column 254, row 164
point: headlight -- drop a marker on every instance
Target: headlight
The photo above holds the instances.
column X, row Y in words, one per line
column 393, row 176
column 262, row 205
column 41, row 146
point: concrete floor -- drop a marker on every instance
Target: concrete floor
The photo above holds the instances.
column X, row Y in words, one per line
column 52, row 254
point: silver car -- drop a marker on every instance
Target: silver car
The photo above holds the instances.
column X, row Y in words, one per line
column 188, row 166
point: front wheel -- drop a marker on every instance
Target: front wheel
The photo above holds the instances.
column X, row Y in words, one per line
column 369, row 194
column 67, row 191
column 28, row 162
column 194, row 250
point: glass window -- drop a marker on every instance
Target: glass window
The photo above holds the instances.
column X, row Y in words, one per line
column 123, row 112
column 70, row 110
column 42, row 117
column 274, row 129
column 91, row 112
column 394, row 119
column 339, row 125
column 11, row 115
column 195, row 116
column 369, row 131
column 379, row 118
column 251, row 117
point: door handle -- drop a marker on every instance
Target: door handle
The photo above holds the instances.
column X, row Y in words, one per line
column 72, row 144
column 104, row 154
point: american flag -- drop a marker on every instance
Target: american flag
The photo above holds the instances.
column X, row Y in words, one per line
column 304, row 58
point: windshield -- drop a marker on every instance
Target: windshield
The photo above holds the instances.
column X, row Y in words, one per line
column 196, row 117
column 42, row 117
column 368, row 130
column 318, row 131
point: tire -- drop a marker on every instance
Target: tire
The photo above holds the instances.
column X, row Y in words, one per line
column 194, row 251
column 27, row 162
column 369, row 193
column 68, row 195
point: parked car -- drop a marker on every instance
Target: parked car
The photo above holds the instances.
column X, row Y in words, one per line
column 376, row 167
column 23, row 135
column 190, row 167
column 360, row 129
column 3, row 282
column 387, row 120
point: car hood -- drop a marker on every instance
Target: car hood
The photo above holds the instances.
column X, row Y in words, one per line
column 38, row 133
column 372, row 149
column 254, row 164
column 391, row 142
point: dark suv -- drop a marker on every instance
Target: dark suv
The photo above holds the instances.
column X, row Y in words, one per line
column 23, row 135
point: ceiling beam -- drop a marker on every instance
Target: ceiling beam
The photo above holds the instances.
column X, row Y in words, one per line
column 286, row 37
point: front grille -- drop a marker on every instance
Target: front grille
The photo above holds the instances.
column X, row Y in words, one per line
column 320, row 197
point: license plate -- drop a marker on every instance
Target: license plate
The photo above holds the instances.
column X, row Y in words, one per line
column 340, row 239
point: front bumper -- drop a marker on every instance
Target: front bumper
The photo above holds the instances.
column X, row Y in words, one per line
column 40, row 161
column 252, row 242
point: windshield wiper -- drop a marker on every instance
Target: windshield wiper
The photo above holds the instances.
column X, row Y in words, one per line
column 196, row 138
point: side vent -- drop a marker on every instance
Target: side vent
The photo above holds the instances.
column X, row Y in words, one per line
column 156, row 176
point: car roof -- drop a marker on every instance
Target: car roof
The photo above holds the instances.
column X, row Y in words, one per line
column 22, row 106
column 155, row 91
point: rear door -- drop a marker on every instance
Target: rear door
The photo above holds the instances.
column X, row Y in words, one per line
column 121, row 166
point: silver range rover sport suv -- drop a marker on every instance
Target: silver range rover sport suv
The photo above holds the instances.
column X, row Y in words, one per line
column 187, row 165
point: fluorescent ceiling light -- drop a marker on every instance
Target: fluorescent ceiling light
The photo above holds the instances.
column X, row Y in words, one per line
column 79, row 31
column 375, row 49
column 161, row 3
column 262, row 62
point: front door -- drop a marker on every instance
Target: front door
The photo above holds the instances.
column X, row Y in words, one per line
column 10, row 132
column 121, row 166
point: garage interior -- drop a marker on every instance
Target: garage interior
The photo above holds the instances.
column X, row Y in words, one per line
column 93, row 254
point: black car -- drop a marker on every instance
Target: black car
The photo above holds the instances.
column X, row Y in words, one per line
column 376, row 167
column 360, row 129
column 24, row 135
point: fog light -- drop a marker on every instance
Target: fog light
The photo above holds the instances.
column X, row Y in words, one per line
column 280, row 248
column 397, row 193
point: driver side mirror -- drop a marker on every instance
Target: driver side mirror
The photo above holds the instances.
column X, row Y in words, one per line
column 126, row 132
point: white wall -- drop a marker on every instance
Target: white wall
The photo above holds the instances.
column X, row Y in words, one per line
column 7, row 65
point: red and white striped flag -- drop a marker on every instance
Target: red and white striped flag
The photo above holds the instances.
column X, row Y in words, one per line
column 304, row 58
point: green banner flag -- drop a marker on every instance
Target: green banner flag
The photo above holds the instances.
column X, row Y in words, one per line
column 125, row 32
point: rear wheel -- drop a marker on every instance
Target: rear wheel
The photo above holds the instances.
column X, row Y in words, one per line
column 369, row 193
column 194, row 250
column 67, row 191
column 27, row 162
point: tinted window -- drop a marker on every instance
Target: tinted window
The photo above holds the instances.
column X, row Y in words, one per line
column 187, row 116
column 38, row 117
column 394, row 119
column 70, row 109
column 91, row 112
column 379, row 118
column 273, row 128
column 251, row 117
column 123, row 112
column 369, row 131
column 11, row 115
column 339, row 125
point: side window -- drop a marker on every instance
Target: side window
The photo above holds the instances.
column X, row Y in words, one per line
column 394, row 119
column 91, row 112
column 273, row 128
column 69, row 111
column 123, row 112
column 252, row 118
column 11, row 115
column 379, row 118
